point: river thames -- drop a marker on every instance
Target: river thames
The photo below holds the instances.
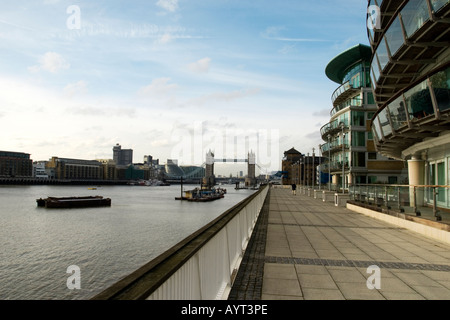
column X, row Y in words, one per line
column 107, row 244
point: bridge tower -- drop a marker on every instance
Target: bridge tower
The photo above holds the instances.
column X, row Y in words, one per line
column 209, row 179
column 250, row 180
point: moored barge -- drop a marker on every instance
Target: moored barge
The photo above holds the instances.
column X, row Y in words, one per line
column 74, row 202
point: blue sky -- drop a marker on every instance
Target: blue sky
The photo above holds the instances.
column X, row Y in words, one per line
column 170, row 78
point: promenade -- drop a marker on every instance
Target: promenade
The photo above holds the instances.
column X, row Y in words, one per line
column 306, row 249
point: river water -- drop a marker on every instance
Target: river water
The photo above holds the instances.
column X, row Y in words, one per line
column 38, row 245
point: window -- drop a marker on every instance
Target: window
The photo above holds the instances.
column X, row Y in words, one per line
column 392, row 180
column 372, row 156
column 358, row 139
column 370, row 98
column 359, row 159
column 358, row 118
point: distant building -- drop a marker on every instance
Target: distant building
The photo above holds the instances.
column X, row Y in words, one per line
column 15, row 164
column 76, row 169
column 291, row 157
column 122, row 157
column 40, row 171
column 109, row 169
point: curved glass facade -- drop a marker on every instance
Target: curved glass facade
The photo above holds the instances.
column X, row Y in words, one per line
column 425, row 100
column 403, row 27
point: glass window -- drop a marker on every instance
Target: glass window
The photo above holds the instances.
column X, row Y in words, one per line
column 394, row 36
column 385, row 124
column 418, row 101
column 370, row 98
column 359, row 159
column 358, row 139
column 440, row 82
column 414, row 15
column 438, row 4
column 398, row 113
column 372, row 156
column 358, row 118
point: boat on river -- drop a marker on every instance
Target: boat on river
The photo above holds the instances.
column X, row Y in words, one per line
column 203, row 195
column 74, row 202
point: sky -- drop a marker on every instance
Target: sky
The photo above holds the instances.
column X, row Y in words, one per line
column 171, row 78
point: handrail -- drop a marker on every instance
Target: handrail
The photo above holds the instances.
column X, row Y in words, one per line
column 146, row 280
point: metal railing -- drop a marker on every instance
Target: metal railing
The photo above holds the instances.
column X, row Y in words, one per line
column 201, row 267
column 415, row 199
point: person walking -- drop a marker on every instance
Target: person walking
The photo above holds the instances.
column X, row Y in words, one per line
column 294, row 188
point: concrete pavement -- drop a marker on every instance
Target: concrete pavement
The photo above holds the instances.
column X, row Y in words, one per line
column 307, row 249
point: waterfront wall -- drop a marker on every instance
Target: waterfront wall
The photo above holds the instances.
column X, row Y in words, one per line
column 201, row 267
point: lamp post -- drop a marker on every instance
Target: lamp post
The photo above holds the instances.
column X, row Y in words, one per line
column 329, row 163
column 320, row 167
column 307, row 171
column 304, row 171
column 313, row 171
column 343, row 157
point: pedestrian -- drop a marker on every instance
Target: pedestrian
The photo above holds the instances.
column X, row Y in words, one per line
column 294, row 188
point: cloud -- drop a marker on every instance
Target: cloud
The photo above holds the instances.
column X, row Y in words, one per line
column 322, row 113
column 77, row 88
column 165, row 38
column 158, row 88
column 200, row 66
column 224, row 96
column 274, row 33
column 51, row 62
column 169, row 5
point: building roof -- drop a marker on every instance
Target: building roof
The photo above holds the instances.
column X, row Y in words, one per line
column 337, row 68
column 292, row 151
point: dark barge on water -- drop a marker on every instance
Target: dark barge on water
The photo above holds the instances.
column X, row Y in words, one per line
column 74, row 202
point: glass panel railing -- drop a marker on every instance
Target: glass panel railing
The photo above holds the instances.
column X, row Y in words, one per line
column 397, row 113
column 394, row 37
column 418, row 101
column 384, row 122
column 382, row 53
column 440, row 82
column 439, row 4
column 375, row 70
column 427, row 201
column 376, row 129
column 414, row 16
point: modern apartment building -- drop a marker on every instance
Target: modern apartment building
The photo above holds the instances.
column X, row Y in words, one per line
column 410, row 73
column 349, row 143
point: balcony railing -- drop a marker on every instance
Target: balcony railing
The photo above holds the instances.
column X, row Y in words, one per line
column 419, row 200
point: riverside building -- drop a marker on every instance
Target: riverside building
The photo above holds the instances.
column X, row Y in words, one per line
column 410, row 73
column 349, row 144
column 15, row 165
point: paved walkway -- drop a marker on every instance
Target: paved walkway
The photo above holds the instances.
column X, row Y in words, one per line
column 306, row 249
